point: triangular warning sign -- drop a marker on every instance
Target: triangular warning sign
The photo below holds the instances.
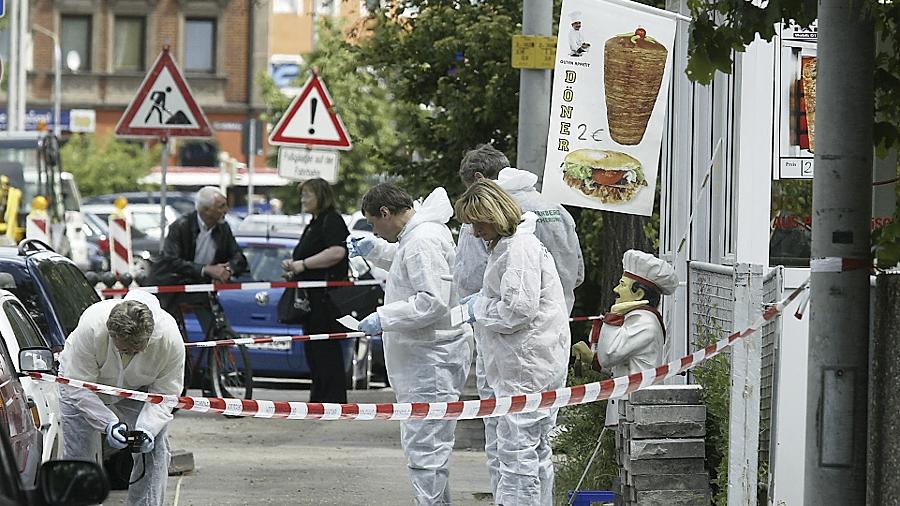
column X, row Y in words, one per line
column 164, row 106
column 310, row 120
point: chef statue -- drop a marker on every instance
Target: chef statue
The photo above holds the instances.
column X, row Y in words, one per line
column 632, row 334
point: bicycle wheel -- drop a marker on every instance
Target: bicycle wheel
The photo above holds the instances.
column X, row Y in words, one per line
column 230, row 372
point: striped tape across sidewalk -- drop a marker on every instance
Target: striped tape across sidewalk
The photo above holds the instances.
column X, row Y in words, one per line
column 459, row 410
column 221, row 287
column 313, row 337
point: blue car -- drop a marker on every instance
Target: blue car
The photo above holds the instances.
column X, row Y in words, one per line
column 254, row 313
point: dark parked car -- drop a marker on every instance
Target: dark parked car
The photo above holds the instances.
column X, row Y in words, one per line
column 51, row 287
column 254, row 313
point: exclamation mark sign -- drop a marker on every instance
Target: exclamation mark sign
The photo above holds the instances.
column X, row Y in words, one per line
column 312, row 116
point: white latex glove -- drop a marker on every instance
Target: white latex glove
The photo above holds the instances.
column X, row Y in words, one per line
column 115, row 435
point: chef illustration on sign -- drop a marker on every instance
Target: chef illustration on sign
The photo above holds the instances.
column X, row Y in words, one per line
column 577, row 45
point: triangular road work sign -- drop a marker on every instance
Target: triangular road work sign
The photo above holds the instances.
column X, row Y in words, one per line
column 310, row 120
column 164, row 106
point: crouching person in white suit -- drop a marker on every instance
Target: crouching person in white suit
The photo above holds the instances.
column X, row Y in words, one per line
column 133, row 344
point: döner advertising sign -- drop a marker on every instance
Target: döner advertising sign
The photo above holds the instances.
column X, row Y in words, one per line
column 611, row 81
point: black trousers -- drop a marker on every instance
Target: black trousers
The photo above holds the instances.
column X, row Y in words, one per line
column 326, row 363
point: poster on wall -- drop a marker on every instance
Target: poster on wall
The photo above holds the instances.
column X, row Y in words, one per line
column 796, row 99
column 610, row 89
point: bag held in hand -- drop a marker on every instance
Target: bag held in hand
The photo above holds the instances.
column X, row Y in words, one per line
column 294, row 307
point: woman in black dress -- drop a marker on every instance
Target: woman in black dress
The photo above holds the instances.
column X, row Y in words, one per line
column 321, row 255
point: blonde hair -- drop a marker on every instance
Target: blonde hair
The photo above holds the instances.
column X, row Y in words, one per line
column 486, row 202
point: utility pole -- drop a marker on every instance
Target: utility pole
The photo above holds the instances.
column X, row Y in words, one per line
column 57, row 78
column 534, row 95
column 837, row 390
column 12, row 80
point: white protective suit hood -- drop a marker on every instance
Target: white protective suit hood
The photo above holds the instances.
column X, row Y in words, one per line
column 435, row 208
column 513, row 180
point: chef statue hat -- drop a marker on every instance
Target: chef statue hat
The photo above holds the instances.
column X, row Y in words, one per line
column 574, row 16
column 649, row 270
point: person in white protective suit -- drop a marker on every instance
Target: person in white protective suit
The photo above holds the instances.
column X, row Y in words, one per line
column 556, row 230
column 521, row 317
column 427, row 358
column 133, row 344
column 632, row 336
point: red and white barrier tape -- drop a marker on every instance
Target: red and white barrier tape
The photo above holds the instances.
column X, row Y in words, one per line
column 322, row 337
column 839, row 264
column 459, row 410
column 221, row 287
column 273, row 339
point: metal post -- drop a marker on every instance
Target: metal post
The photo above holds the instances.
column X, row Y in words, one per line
column 25, row 34
column 163, row 165
column 746, row 363
column 12, row 80
column 837, row 389
column 534, row 95
column 251, row 154
column 57, row 78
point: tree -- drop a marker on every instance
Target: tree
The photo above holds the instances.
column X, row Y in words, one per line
column 364, row 105
column 107, row 165
column 450, row 64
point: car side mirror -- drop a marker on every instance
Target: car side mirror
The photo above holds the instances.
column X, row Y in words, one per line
column 36, row 360
column 72, row 483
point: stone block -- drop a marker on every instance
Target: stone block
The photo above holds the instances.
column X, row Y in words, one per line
column 665, row 466
column 673, row 498
column 668, row 413
column 641, row 449
column 664, row 430
column 180, row 462
column 644, row 482
column 668, row 394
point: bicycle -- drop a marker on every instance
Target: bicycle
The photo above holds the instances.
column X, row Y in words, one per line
column 226, row 371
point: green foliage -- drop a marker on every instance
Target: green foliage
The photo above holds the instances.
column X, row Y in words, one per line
column 451, row 65
column 574, row 446
column 365, row 107
column 107, row 165
column 714, row 375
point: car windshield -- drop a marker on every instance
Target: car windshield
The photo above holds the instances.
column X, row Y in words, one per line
column 265, row 261
column 70, row 294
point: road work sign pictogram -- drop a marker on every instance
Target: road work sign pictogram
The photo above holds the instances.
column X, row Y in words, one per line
column 164, row 106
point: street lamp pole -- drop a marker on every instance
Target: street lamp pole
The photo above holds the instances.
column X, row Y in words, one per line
column 57, row 78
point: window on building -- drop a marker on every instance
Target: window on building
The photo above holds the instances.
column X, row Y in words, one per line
column 76, row 36
column 128, row 49
column 199, row 154
column 286, row 6
column 200, row 45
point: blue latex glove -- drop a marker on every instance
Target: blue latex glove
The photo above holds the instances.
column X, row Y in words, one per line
column 115, row 435
column 148, row 441
column 360, row 246
column 469, row 302
column 371, row 324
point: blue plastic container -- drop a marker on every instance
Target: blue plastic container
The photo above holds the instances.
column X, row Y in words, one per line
column 588, row 497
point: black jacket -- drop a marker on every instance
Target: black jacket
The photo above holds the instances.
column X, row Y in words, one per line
column 176, row 265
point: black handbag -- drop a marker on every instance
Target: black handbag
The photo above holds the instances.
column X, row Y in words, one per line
column 294, row 306
column 357, row 301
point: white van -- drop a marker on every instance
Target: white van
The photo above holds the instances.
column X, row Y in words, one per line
column 74, row 221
